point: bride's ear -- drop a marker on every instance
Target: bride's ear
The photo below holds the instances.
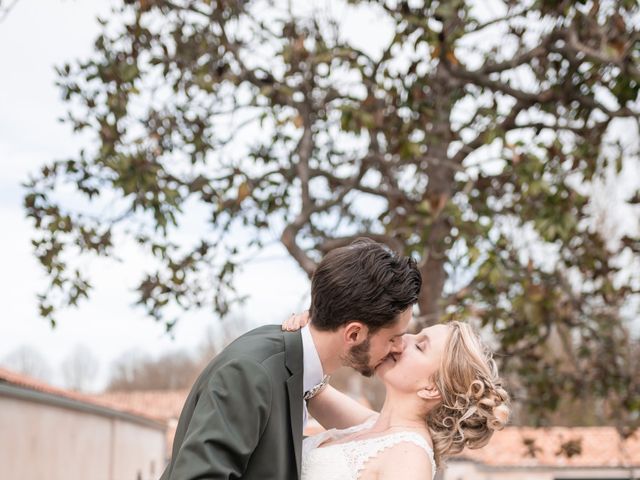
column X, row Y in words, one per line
column 430, row 392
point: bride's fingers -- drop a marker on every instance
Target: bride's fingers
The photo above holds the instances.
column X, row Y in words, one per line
column 296, row 321
column 288, row 324
column 303, row 318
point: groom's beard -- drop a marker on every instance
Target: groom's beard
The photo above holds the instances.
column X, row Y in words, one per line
column 359, row 359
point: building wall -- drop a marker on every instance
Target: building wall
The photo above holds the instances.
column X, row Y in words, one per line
column 460, row 470
column 38, row 440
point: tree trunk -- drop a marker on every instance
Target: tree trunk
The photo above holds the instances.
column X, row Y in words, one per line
column 438, row 193
column 433, row 275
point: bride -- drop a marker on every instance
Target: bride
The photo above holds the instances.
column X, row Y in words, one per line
column 443, row 394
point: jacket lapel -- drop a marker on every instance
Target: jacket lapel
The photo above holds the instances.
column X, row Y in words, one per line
column 294, row 363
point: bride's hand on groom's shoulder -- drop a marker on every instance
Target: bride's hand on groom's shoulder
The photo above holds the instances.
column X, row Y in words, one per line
column 296, row 321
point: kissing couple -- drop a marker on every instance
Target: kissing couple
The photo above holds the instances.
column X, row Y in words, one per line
column 246, row 411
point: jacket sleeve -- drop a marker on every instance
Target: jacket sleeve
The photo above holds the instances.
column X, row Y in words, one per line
column 228, row 420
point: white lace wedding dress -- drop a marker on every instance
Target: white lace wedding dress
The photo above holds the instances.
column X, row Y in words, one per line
column 345, row 461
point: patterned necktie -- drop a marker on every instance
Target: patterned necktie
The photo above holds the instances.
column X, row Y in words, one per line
column 309, row 394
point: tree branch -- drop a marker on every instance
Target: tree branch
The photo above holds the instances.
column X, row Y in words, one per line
column 574, row 42
column 482, row 26
column 479, row 78
column 521, row 59
column 507, row 124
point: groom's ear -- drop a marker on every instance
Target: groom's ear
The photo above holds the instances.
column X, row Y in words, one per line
column 355, row 333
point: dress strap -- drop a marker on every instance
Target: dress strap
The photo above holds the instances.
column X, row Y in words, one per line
column 360, row 427
column 360, row 452
column 336, row 434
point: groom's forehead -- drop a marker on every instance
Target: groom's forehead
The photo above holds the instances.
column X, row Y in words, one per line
column 388, row 332
column 399, row 327
column 396, row 330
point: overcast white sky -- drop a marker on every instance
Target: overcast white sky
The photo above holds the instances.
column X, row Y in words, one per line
column 34, row 38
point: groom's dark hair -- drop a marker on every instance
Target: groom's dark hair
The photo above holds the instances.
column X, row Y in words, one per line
column 365, row 281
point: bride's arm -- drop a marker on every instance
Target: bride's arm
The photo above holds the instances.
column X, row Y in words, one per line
column 333, row 409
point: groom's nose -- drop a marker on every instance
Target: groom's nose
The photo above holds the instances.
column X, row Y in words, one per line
column 397, row 346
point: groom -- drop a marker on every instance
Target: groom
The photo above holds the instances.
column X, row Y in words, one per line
column 244, row 416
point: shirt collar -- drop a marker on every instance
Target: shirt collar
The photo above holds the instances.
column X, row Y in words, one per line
column 312, row 373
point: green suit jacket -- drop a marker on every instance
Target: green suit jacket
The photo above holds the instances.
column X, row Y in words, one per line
column 243, row 417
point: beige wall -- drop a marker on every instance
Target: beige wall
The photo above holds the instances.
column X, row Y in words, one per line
column 43, row 441
column 468, row 470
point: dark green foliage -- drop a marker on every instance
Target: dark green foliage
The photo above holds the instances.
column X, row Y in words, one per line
column 472, row 154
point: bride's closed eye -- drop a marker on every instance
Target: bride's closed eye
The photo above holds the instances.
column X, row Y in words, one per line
column 423, row 343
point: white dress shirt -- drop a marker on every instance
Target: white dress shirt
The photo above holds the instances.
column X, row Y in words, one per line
column 312, row 368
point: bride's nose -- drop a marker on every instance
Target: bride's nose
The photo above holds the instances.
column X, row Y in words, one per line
column 408, row 339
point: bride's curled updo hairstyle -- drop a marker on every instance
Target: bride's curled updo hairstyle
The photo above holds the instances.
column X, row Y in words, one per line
column 474, row 403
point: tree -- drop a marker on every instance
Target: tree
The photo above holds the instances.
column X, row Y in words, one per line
column 217, row 337
column 133, row 371
column 28, row 361
column 173, row 370
column 79, row 368
column 472, row 141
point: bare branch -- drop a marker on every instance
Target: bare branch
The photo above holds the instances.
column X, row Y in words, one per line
column 304, row 150
column 598, row 55
column 479, row 78
column 288, row 239
column 495, row 21
column 507, row 123
column 516, row 61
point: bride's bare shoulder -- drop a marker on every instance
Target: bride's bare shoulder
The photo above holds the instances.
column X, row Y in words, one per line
column 404, row 460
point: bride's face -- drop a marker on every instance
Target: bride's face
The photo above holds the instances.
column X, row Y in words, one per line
column 413, row 369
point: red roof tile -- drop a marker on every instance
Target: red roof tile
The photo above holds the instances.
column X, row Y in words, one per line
column 600, row 447
column 164, row 404
column 24, row 381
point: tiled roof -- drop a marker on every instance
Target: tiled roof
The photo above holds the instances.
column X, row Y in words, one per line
column 167, row 405
column 599, row 447
column 17, row 379
column 542, row 447
column 164, row 404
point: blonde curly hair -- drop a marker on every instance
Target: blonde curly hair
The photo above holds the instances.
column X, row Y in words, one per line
column 474, row 403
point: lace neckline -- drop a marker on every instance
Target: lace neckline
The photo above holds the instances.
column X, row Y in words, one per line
column 374, row 439
column 357, row 452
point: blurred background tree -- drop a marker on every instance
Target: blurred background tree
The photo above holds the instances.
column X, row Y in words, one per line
column 480, row 139
column 29, row 361
column 173, row 370
column 79, row 369
column 134, row 371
